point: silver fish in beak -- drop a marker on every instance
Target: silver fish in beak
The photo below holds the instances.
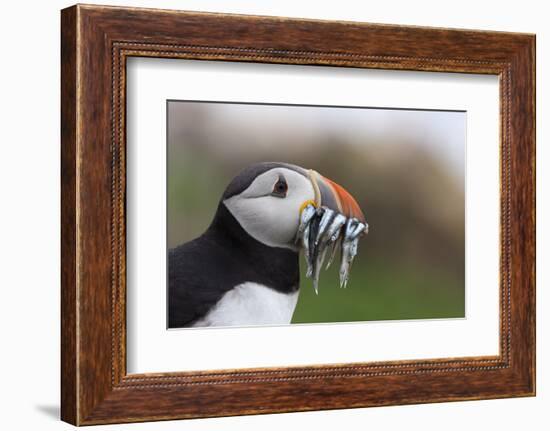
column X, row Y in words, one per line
column 332, row 221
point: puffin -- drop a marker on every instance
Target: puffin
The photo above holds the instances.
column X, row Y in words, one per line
column 244, row 270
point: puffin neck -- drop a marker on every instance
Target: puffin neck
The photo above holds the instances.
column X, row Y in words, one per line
column 278, row 262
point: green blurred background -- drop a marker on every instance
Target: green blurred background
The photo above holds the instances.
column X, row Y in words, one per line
column 404, row 167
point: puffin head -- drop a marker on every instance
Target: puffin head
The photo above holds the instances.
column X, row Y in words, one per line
column 267, row 200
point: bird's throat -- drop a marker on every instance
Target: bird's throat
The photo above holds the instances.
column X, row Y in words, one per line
column 275, row 267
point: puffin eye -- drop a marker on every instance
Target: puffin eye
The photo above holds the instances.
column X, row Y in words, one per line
column 280, row 188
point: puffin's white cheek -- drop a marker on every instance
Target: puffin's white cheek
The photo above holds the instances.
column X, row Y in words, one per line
column 270, row 220
column 285, row 221
column 276, row 221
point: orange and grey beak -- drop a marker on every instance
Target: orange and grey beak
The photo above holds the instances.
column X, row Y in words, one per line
column 333, row 220
column 334, row 196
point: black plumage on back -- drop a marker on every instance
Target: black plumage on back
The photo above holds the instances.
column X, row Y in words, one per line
column 201, row 271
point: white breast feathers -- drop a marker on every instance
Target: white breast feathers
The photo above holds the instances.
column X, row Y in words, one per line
column 251, row 304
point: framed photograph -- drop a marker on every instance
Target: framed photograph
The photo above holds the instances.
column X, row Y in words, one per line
column 263, row 214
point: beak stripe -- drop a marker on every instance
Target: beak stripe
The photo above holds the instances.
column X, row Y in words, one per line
column 313, row 177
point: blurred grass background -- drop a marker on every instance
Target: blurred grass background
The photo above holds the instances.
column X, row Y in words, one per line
column 404, row 167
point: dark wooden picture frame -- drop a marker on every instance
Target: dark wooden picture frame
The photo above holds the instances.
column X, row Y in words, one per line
column 96, row 41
